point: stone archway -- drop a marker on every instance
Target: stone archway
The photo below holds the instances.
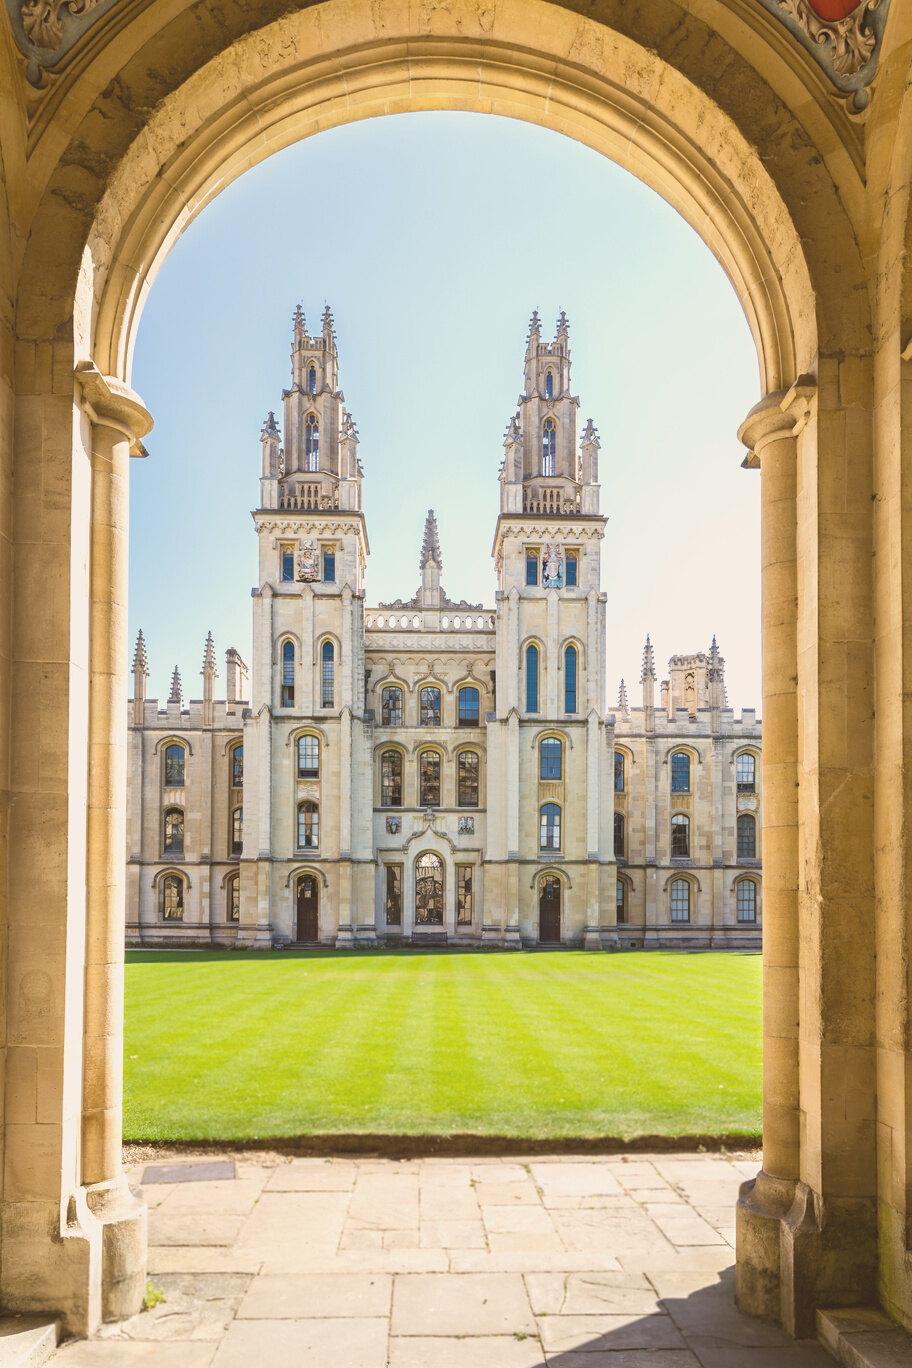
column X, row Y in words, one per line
column 734, row 128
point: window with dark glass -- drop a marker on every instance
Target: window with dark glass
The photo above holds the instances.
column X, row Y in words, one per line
column 680, row 836
column 234, row 898
column 308, row 757
column 549, row 385
column 237, row 831
column 549, row 446
column 394, row 895
column 619, row 835
column 287, row 563
column 311, row 443
column 430, row 779
column 747, row 837
column 174, row 767
column 391, row 708
column 619, row 771
column 570, row 657
column 680, row 900
column 237, row 767
column 429, row 701
column 312, row 380
column 570, row 568
column 746, row 772
column 550, row 758
column 531, row 567
column 172, row 898
column 550, row 827
column 174, row 831
column 329, row 674
column 468, row 779
column 288, row 674
column 469, row 701
column 329, row 567
column 532, row 679
column 747, row 901
column 464, row 901
column 621, row 899
column 680, row 772
column 308, row 826
column 391, row 779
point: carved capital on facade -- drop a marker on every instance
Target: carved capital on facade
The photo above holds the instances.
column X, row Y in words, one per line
column 783, row 414
column 846, row 45
column 107, row 400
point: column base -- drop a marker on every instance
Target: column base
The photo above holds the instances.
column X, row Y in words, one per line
column 492, row 937
column 512, row 939
column 592, row 938
column 366, row 936
column 344, row 938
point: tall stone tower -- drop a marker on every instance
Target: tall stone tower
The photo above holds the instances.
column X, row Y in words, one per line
column 307, row 693
column 554, row 805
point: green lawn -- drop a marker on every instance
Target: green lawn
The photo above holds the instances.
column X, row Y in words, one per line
column 243, row 1045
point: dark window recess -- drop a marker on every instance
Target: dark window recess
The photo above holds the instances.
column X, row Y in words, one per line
column 288, row 674
column 394, row 895
column 619, row 835
column 468, row 779
column 468, row 707
column 571, row 572
column 329, row 567
column 531, row 569
column 287, row 565
column 551, row 753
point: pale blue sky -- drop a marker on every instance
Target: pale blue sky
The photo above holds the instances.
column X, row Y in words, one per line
column 433, row 236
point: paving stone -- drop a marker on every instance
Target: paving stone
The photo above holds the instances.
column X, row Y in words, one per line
column 323, row 1177
column 500, row 1351
column 578, row 1294
column 130, row 1353
column 660, row 1194
column 713, row 1353
column 401, row 1239
column 532, row 1261
column 682, row 1226
column 711, row 1258
column 288, row 1220
column 203, row 1170
column 295, row 1343
column 234, row 1198
column 452, row 1235
column 594, row 1229
column 575, row 1179
column 498, row 1171
column 624, row 1358
column 177, row 1259
column 359, row 1261
column 438, row 1202
column 26, row 1341
column 384, row 1201
column 708, row 1309
column 507, row 1194
column 525, row 1242
column 304, row 1295
column 361, row 1239
column 517, row 1220
column 200, row 1228
column 461, row 1304
column 568, row 1333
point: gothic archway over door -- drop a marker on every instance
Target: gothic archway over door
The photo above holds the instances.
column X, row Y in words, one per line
column 549, row 911
column 308, row 927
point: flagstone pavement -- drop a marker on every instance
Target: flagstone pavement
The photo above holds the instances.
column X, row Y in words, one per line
column 617, row 1262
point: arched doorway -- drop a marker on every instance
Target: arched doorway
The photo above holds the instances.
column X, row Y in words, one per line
column 429, row 890
column 308, row 908
column 549, row 910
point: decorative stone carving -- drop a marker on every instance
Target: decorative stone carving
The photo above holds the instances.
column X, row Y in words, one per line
column 843, row 37
column 552, row 566
column 393, row 825
column 46, row 30
column 308, row 569
column 467, row 826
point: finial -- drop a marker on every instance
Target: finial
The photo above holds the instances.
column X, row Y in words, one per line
column 562, row 326
column 534, row 325
column 514, row 432
column 649, row 669
column 348, row 426
column 270, row 427
column 209, row 657
column 430, row 547
column 177, row 694
column 623, row 705
column 140, row 662
column 328, row 323
column 590, row 435
column 299, row 320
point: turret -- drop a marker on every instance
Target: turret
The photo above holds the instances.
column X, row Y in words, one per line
column 589, row 467
column 350, row 471
column 140, row 675
column 511, row 473
column 717, row 699
column 543, row 435
column 272, row 462
column 209, row 673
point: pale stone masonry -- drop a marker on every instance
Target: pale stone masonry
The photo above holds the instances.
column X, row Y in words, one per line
column 429, row 767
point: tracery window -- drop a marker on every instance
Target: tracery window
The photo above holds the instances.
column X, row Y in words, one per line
column 233, row 900
column 619, row 771
column 288, row 674
column 469, row 704
column 308, row 757
column 550, row 827
column 308, row 825
column 172, row 898
column 621, row 900
column 680, row 900
column 570, row 658
column 680, row 836
column 429, row 766
column 468, row 779
column 237, row 767
column 394, row 895
column 619, row 835
column 532, row 679
column 747, row 901
column 429, row 701
column 549, row 446
column 174, row 831
column 747, row 837
column 550, row 758
column 329, row 674
column 746, row 771
column 237, row 831
column 311, row 442
column 570, row 570
column 312, row 380
column 464, row 898
column 391, row 779
column 174, row 766
column 549, row 385
column 391, row 707
column 680, row 772
column 429, row 890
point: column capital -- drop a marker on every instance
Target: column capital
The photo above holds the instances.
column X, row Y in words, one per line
column 781, row 414
column 111, row 403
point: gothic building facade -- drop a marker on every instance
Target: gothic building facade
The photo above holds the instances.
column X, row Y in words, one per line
column 437, row 770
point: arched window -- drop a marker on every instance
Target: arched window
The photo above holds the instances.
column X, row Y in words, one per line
column 570, row 679
column 467, row 795
column 429, row 765
column 621, row 900
column 549, row 446
column 571, row 567
column 747, row 901
column 391, row 779
column 746, row 772
column 237, row 767
column 233, row 898
column 312, row 380
column 550, row 758
column 550, row 827
column 174, row 766
column 469, row 704
column 429, row 890
column 680, row 900
column 311, row 442
column 747, row 836
column 287, row 564
column 430, row 707
column 619, row 771
column 174, row 831
column 532, row 679
column 329, row 674
column 549, row 385
column 619, row 835
column 172, row 898
column 308, row 757
column 308, row 826
column 680, row 772
column 391, row 708
column 680, row 836
column 288, row 674
column 237, row 831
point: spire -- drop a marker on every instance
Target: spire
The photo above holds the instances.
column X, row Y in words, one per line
column 649, row 668
column 140, row 674
column 623, row 705
column 270, row 427
column 140, row 660
column 208, row 658
column 329, row 330
column 176, row 695
column 534, row 336
column 647, row 679
column 299, row 321
column 430, row 547
column 562, row 330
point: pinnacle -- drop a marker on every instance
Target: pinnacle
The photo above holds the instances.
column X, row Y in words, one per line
column 140, row 660
column 430, row 547
column 534, row 324
column 562, row 325
column 649, row 669
column 622, row 698
column 270, row 427
column 299, row 320
column 177, row 693
column 328, row 321
column 209, row 657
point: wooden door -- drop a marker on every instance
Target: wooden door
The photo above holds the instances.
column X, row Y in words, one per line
column 308, row 919
column 549, row 909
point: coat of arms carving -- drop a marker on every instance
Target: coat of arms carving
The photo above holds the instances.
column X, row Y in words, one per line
column 552, row 566
column 393, row 825
column 307, row 563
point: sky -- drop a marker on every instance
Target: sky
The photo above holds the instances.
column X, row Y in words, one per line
column 433, row 236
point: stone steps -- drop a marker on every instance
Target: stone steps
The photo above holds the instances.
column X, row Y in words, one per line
column 864, row 1337
column 26, row 1341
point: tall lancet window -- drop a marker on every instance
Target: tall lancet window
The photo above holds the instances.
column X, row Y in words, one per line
column 288, row 674
column 549, row 446
column 311, row 443
column 570, row 679
column 549, row 385
column 329, row 670
column 312, row 380
column 532, row 679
